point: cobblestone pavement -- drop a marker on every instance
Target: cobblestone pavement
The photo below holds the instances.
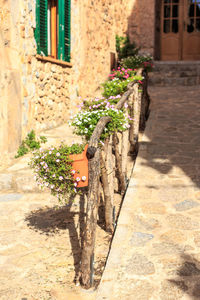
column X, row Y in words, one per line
column 39, row 240
column 155, row 252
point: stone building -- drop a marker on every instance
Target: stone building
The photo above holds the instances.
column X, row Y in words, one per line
column 53, row 51
column 167, row 29
column 38, row 85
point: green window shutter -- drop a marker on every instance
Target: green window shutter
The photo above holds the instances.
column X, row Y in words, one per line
column 41, row 34
column 67, row 29
column 64, row 10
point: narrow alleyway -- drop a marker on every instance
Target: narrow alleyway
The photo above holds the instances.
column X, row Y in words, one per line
column 155, row 253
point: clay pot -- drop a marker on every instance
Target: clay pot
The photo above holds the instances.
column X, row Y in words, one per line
column 80, row 166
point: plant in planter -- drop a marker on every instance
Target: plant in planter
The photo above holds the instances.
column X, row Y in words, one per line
column 138, row 61
column 54, row 169
column 86, row 120
column 118, row 81
column 124, row 47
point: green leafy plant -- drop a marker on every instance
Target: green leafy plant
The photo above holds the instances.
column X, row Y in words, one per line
column 99, row 103
column 124, row 47
column 122, row 73
column 115, row 87
column 137, row 61
column 30, row 143
column 53, row 169
column 86, row 120
column 118, row 81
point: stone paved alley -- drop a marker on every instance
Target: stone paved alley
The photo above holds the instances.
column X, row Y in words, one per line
column 155, row 253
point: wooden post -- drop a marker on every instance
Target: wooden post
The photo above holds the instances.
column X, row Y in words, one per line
column 107, row 197
column 145, row 102
column 93, row 154
column 119, row 173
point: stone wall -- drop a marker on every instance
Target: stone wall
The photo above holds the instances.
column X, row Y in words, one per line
column 142, row 25
column 46, row 92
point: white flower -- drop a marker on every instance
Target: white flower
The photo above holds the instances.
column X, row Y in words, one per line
column 73, row 171
column 83, row 178
column 57, row 154
column 125, row 105
column 78, row 179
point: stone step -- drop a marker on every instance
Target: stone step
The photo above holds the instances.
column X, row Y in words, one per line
column 19, row 182
column 175, row 73
column 18, row 177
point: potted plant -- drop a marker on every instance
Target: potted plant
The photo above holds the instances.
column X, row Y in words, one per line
column 80, row 168
column 92, row 110
column 62, row 169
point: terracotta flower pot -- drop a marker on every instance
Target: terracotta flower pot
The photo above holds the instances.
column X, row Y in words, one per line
column 80, row 168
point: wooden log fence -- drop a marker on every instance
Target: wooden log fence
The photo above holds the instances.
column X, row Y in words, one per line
column 104, row 167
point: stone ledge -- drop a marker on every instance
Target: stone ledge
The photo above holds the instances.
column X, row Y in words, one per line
column 54, row 60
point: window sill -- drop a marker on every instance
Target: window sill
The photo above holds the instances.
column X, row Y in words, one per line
column 54, row 60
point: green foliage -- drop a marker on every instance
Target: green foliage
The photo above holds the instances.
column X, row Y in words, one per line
column 30, row 143
column 85, row 121
column 125, row 48
column 115, row 87
column 53, row 169
column 99, row 103
column 137, row 61
column 122, row 73
column 119, row 80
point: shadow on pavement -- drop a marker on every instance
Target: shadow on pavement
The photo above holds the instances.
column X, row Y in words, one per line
column 188, row 276
column 51, row 221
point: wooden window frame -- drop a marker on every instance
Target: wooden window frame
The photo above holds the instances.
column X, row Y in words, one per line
column 52, row 32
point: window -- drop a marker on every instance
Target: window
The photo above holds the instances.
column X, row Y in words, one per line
column 52, row 32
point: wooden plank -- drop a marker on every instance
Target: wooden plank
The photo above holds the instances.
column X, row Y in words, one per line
column 54, row 29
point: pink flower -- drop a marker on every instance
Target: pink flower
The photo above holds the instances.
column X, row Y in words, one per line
column 75, row 183
column 60, row 178
column 57, row 160
column 57, row 154
column 78, row 179
column 73, row 172
column 54, row 175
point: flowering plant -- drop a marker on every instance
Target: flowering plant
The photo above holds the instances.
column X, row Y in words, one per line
column 92, row 110
column 138, row 61
column 53, row 169
column 122, row 73
column 118, row 81
column 99, row 103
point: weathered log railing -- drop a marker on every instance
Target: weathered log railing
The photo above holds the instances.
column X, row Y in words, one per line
column 103, row 164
